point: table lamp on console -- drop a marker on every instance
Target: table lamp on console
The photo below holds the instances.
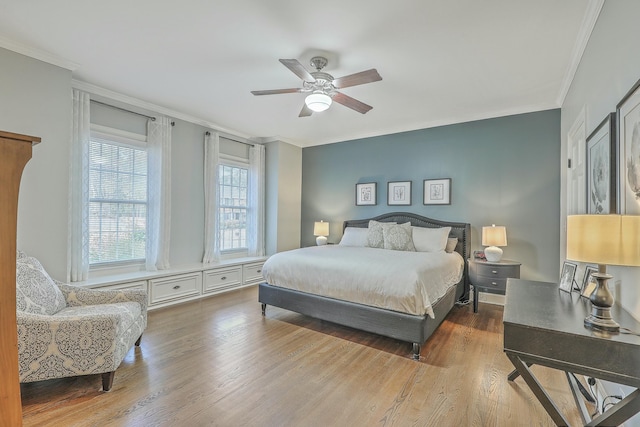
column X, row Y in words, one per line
column 493, row 237
column 603, row 240
column 321, row 229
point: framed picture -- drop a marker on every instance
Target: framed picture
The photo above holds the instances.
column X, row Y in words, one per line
column 588, row 281
column 366, row 194
column 601, row 168
column 399, row 193
column 567, row 276
column 628, row 115
column 437, row 191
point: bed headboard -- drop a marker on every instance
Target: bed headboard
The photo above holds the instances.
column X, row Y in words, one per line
column 461, row 230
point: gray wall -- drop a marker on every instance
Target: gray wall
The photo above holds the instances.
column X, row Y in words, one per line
column 504, row 171
column 609, row 68
column 35, row 99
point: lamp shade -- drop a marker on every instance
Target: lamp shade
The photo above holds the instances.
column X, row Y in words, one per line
column 604, row 239
column 321, row 228
column 494, row 236
column 318, row 101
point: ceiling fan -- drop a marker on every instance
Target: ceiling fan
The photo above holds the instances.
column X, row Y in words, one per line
column 321, row 86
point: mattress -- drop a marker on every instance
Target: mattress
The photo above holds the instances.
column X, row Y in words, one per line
column 407, row 282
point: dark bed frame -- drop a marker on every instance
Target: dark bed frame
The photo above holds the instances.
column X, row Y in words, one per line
column 401, row 326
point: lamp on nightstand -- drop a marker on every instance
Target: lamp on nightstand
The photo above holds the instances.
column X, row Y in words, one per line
column 493, row 237
column 321, row 229
column 603, row 239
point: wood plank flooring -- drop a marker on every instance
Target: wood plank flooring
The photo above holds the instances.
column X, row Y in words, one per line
column 218, row 362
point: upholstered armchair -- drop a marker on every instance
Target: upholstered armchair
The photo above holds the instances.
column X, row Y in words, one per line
column 66, row 331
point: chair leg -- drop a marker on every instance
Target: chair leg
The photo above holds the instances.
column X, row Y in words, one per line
column 138, row 341
column 107, row 380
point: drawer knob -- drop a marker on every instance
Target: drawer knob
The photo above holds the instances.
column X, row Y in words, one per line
column 259, row 271
column 223, row 278
column 494, row 271
column 176, row 287
column 494, row 283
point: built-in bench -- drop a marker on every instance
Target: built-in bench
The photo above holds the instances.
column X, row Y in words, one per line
column 185, row 283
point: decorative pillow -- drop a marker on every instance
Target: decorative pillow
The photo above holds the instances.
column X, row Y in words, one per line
column 430, row 239
column 452, row 242
column 375, row 235
column 398, row 237
column 354, row 236
column 36, row 292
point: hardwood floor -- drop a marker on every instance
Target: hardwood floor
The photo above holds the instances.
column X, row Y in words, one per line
column 218, row 362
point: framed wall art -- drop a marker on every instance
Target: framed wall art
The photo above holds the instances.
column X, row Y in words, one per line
column 601, row 168
column 628, row 119
column 399, row 193
column 437, row 191
column 366, row 194
column 567, row 276
column 588, row 281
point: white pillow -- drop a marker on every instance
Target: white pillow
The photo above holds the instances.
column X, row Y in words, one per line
column 354, row 236
column 452, row 242
column 430, row 239
column 398, row 237
column 375, row 236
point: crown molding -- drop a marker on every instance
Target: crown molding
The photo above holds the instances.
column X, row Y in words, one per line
column 586, row 28
column 38, row 54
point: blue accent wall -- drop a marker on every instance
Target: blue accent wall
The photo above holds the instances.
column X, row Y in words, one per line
column 504, row 171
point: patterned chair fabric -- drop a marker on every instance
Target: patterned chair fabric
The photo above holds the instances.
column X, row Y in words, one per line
column 66, row 331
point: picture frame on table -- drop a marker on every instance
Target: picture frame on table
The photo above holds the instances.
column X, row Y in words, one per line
column 588, row 281
column 366, row 194
column 437, row 191
column 628, row 131
column 399, row 193
column 601, row 167
column 567, row 276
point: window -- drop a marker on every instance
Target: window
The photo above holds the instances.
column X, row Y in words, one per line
column 232, row 190
column 117, row 201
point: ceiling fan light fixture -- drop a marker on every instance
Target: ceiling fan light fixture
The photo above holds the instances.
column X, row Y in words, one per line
column 318, row 101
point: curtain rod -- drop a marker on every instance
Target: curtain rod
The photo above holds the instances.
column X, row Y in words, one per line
column 124, row 109
column 234, row 140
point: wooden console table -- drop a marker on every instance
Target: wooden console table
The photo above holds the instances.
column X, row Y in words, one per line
column 15, row 152
column 544, row 326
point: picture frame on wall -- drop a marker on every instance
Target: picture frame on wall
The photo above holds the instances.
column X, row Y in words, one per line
column 399, row 193
column 628, row 130
column 366, row 194
column 601, row 168
column 567, row 276
column 437, row 191
column 588, row 281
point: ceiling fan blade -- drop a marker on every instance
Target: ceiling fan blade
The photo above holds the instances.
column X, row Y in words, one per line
column 305, row 112
column 357, row 79
column 275, row 91
column 350, row 102
column 296, row 67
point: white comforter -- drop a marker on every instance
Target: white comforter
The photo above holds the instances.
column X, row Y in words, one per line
column 401, row 281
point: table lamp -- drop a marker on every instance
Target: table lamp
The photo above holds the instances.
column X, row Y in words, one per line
column 321, row 229
column 602, row 240
column 493, row 237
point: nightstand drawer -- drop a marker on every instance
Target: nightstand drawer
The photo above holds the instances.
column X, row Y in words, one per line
column 496, row 271
column 490, row 282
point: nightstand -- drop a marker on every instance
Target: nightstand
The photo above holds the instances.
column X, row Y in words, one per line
column 491, row 277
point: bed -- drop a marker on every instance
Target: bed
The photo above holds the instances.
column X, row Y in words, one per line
column 413, row 326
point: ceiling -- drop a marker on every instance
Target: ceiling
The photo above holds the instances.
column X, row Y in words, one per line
column 441, row 61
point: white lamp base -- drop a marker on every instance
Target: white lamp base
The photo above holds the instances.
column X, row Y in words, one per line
column 493, row 253
column 321, row 240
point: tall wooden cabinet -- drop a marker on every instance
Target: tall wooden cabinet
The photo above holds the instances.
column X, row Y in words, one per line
column 15, row 152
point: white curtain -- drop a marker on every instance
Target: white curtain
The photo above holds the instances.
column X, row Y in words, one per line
column 255, row 214
column 159, row 190
column 211, row 211
column 78, row 240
